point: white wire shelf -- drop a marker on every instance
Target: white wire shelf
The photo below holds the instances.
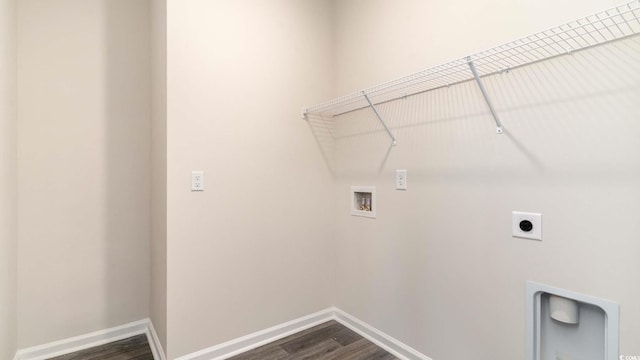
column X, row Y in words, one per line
column 609, row 25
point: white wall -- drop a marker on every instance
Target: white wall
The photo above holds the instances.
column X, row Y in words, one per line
column 376, row 41
column 84, row 165
column 158, row 298
column 271, row 237
column 255, row 248
column 438, row 268
column 8, row 168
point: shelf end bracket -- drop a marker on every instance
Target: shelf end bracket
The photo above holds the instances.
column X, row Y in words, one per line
column 499, row 129
column 375, row 111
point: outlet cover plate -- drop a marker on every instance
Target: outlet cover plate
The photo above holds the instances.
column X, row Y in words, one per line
column 197, row 181
column 401, row 179
column 534, row 218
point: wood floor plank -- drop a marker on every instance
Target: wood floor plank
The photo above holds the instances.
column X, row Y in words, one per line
column 348, row 350
column 361, row 350
column 318, row 351
column 346, row 336
column 305, row 332
column 267, row 352
column 133, row 348
column 273, row 351
column 313, row 338
column 328, row 341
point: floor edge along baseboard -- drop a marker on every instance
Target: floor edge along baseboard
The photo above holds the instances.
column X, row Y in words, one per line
column 86, row 341
column 263, row 337
column 259, row 338
column 392, row 345
column 154, row 343
column 226, row 349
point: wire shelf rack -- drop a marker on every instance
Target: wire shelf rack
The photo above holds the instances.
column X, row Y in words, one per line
column 616, row 23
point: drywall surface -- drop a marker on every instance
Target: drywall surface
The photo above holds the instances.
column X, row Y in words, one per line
column 255, row 248
column 84, row 165
column 8, row 187
column 438, row 268
column 376, row 41
column 158, row 298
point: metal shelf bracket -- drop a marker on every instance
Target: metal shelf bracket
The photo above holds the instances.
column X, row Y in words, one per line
column 485, row 95
column 393, row 138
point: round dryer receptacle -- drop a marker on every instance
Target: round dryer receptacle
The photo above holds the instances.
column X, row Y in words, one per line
column 526, row 225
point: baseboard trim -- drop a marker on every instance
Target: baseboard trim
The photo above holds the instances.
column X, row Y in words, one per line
column 77, row 343
column 226, row 349
column 154, row 343
column 394, row 346
column 257, row 339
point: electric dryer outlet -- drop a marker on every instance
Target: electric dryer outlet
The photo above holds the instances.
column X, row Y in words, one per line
column 526, row 225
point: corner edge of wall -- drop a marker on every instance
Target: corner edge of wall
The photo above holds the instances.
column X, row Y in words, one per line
column 262, row 337
column 154, row 342
column 383, row 340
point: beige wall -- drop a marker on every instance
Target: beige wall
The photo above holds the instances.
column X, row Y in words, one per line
column 438, row 269
column 254, row 249
column 271, row 238
column 8, row 168
column 84, row 150
column 158, row 298
column 377, row 40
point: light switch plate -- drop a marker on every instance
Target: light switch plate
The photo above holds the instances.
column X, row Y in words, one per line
column 197, row 181
column 526, row 225
column 401, row 179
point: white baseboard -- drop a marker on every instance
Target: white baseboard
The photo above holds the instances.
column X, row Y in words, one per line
column 390, row 344
column 227, row 349
column 154, row 343
column 67, row 346
column 257, row 339
column 262, row 337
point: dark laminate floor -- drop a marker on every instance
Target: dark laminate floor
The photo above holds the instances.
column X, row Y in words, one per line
column 133, row 348
column 328, row 341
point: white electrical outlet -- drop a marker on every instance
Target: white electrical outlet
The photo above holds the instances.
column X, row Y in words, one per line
column 401, row 179
column 526, row 225
column 197, row 181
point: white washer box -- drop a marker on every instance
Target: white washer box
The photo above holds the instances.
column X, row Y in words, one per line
column 363, row 201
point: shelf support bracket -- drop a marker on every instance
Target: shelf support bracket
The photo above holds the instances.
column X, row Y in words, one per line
column 375, row 111
column 485, row 95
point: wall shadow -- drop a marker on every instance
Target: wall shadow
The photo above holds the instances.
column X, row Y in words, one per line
column 127, row 129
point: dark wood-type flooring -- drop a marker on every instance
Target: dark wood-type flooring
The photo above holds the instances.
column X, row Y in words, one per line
column 328, row 341
column 133, row 348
